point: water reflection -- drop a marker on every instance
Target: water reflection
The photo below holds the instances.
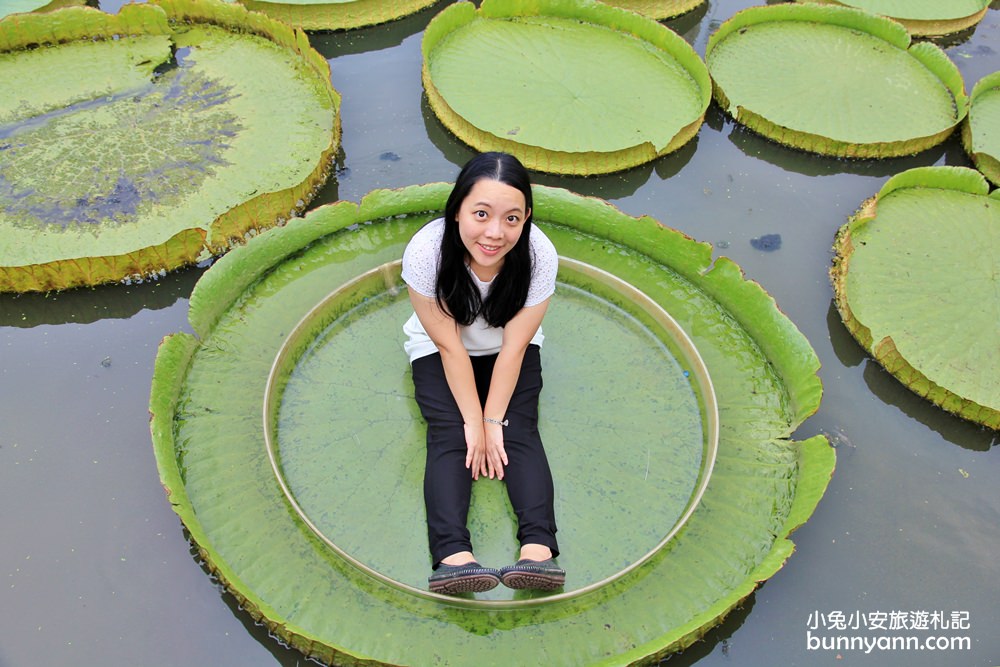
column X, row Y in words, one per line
column 891, row 391
column 91, row 304
column 607, row 186
column 954, row 39
column 330, row 190
column 953, row 429
column 285, row 655
column 624, row 183
column 450, row 147
column 813, row 164
column 717, row 638
column 688, row 25
column 332, row 44
column 847, row 349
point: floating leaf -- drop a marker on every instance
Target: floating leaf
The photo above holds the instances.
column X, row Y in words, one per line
column 206, row 405
column 336, row 14
column 917, row 282
column 547, row 99
column 834, row 80
column 981, row 129
column 923, row 17
column 658, row 9
column 140, row 142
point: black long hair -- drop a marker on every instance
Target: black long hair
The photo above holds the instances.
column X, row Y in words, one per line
column 455, row 291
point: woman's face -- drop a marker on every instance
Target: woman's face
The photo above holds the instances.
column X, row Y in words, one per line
column 490, row 221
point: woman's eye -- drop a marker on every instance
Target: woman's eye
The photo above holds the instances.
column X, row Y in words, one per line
column 513, row 219
column 480, row 214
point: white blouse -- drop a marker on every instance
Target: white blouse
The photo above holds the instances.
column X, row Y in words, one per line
column 420, row 266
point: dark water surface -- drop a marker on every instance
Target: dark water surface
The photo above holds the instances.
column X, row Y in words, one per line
column 95, row 568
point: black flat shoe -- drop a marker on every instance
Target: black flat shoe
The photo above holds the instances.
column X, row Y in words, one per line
column 466, row 578
column 541, row 575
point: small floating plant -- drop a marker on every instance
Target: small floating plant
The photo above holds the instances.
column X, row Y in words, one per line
column 140, row 142
column 343, row 413
column 834, row 80
column 521, row 77
column 917, row 282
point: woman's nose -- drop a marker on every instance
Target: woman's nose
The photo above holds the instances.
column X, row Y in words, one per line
column 493, row 228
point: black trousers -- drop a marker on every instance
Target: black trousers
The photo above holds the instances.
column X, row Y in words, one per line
column 448, row 483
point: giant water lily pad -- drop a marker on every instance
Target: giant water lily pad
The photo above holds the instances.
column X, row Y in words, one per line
column 207, row 407
column 338, row 402
column 547, row 99
column 981, row 130
column 336, row 14
column 917, row 282
column 658, row 9
column 923, row 17
column 137, row 143
column 834, row 80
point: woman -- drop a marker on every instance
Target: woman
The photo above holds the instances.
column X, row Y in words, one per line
column 480, row 280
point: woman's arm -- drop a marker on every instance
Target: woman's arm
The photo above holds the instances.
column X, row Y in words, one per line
column 517, row 334
column 444, row 331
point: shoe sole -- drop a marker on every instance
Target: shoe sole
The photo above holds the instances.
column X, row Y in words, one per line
column 473, row 583
column 532, row 580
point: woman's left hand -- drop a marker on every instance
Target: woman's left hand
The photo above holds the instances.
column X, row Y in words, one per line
column 496, row 456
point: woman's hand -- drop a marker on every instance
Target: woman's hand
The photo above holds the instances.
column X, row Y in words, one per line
column 475, row 458
column 496, row 456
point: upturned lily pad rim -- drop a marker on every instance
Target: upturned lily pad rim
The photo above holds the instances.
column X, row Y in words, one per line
column 203, row 238
column 538, row 158
column 927, row 54
column 925, row 27
column 658, row 9
column 390, row 272
column 344, row 15
column 987, row 163
column 949, row 178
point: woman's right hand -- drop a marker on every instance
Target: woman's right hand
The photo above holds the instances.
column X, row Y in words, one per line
column 475, row 458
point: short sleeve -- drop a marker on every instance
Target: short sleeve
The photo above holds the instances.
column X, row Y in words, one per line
column 422, row 256
column 544, row 265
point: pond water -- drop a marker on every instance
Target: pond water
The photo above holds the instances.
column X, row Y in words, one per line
column 97, row 569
